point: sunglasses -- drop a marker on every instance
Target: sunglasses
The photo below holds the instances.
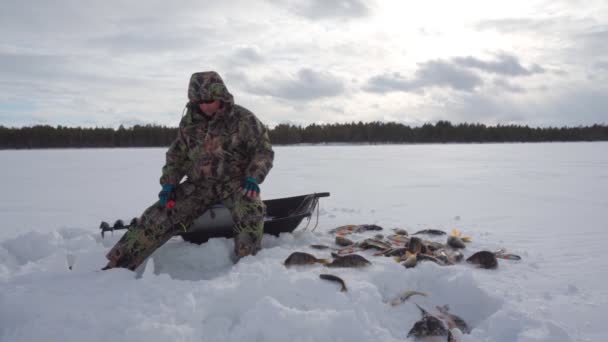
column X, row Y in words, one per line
column 206, row 102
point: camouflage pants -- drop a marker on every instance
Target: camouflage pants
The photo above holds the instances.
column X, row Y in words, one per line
column 157, row 225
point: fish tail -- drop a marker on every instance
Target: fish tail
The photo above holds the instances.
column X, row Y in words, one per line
column 407, row 294
column 419, row 293
column 508, row 256
column 424, row 313
column 323, row 261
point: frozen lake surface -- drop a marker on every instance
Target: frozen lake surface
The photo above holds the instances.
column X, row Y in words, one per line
column 546, row 202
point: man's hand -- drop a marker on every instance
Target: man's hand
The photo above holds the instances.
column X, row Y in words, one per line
column 167, row 196
column 250, row 188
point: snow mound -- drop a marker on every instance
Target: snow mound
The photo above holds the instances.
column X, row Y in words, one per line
column 188, row 292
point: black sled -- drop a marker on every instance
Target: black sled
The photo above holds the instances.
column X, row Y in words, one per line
column 283, row 215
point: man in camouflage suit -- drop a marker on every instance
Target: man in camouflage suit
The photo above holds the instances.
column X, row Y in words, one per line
column 224, row 151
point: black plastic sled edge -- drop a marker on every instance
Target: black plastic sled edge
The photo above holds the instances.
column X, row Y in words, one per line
column 283, row 215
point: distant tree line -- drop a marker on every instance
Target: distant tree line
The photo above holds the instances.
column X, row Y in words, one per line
column 284, row 134
column 66, row 137
column 441, row 132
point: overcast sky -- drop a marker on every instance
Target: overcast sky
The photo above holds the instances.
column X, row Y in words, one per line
column 106, row 63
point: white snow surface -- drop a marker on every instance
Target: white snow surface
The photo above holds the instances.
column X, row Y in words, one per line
column 546, row 202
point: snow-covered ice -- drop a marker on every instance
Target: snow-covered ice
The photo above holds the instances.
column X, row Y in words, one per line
column 545, row 202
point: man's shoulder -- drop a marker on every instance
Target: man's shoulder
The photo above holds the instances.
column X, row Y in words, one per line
column 242, row 112
column 243, row 115
column 247, row 121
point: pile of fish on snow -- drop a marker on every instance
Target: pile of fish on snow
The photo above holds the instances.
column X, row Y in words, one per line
column 409, row 250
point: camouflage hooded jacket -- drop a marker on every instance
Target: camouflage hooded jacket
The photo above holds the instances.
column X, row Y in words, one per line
column 222, row 149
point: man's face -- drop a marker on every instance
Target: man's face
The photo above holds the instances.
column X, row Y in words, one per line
column 209, row 108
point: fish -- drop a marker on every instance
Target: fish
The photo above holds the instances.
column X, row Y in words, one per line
column 344, row 230
column 405, row 296
column 351, row 260
column 430, row 232
column 410, row 259
column 428, row 257
column 397, row 239
column 301, row 258
column 452, row 320
column 346, row 251
column 415, row 245
column 433, row 245
column 484, row 259
column 442, row 255
column 454, row 256
column 343, row 241
column 374, row 243
column 400, row 231
column 381, row 252
column 367, row 227
column 354, row 228
column 399, row 252
column 428, row 326
column 332, row 277
column 455, row 242
column 448, row 257
column 321, row 247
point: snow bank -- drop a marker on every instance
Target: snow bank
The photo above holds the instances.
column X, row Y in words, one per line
column 190, row 293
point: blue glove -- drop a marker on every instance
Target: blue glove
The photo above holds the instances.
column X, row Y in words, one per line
column 250, row 184
column 166, row 194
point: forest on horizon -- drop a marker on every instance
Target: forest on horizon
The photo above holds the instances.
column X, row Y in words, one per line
column 45, row 136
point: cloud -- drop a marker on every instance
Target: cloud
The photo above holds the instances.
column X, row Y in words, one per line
column 567, row 104
column 558, row 25
column 583, row 105
column 39, row 77
column 602, row 65
column 593, row 42
column 246, row 55
column 32, row 66
column 444, row 74
column 506, row 85
column 504, row 65
column 389, row 82
column 307, row 85
column 328, row 9
column 455, row 73
column 437, row 73
column 42, row 78
column 599, row 33
column 565, row 40
column 300, row 59
column 141, row 42
column 514, row 25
